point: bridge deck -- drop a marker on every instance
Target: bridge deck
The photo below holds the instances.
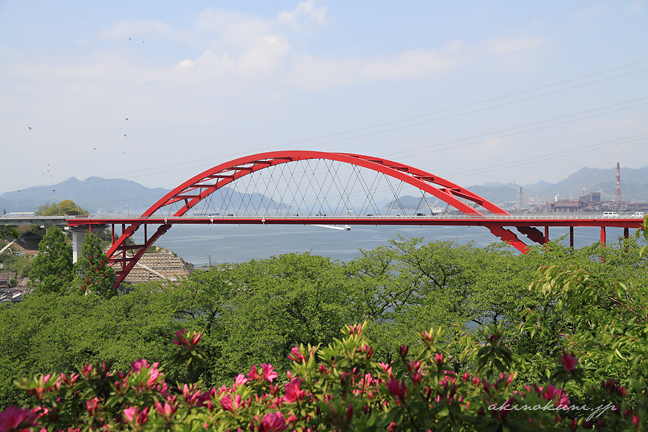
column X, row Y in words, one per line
column 450, row 220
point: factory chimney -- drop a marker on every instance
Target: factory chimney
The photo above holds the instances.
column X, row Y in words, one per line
column 618, row 187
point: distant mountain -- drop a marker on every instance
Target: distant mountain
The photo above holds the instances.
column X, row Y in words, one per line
column 410, row 203
column 95, row 194
column 101, row 196
column 541, row 185
column 498, row 184
column 500, row 195
column 634, row 187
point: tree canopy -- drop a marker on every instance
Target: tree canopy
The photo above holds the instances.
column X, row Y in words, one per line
column 52, row 269
column 587, row 302
column 63, row 208
column 91, row 269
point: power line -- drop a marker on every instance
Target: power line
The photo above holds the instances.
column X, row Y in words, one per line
column 418, row 150
column 192, row 164
column 305, row 73
column 549, row 156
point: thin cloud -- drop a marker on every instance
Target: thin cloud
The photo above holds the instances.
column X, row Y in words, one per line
column 309, row 10
column 512, row 45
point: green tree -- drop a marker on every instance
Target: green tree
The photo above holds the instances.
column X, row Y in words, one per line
column 93, row 274
column 265, row 307
column 65, row 207
column 52, row 269
column 8, row 230
column 48, row 210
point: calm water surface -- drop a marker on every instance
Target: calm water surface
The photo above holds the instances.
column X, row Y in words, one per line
column 241, row 243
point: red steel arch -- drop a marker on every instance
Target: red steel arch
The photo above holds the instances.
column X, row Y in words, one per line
column 194, row 190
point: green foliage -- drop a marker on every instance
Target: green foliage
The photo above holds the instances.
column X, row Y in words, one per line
column 644, row 232
column 603, row 321
column 21, row 264
column 254, row 313
column 337, row 387
column 63, row 208
column 93, row 275
column 52, row 270
column 8, row 231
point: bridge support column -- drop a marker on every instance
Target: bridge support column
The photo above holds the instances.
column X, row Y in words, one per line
column 571, row 237
column 603, row 236
column 78, row 235
column 546, row 234
column 626, row 232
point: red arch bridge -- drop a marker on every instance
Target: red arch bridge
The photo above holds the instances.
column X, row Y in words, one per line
column 310, row 188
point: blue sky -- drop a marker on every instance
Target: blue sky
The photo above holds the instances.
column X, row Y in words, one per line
column 473, row 91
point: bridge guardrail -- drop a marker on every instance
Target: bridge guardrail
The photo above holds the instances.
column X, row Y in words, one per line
column 372, row 216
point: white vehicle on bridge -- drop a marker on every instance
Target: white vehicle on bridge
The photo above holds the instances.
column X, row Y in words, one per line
column 637, row 215
column 610, row 214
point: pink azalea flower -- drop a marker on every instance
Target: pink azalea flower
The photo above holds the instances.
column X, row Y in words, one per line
column 396, row 388
column 135, row 416
column 349, row 412
column 438, row 359
column 86, row 370
column 180, row 338
column 92, row 406
column 476, row 381
column 272, row 422
column 253, row 373
column 414, row 366
column 192, row 339
column 293, row 392
column 569, row 361
column 196, row 339
column 295, row 355
column 167, row 411
column 190, row 394
column 138, row 365
column 71, row 380
column 226, row 402
column 550, row 392
column 404, row 349
column 205, row 399
column 355, row 330
column 240, row 380
column 17, row 419
column 367, row 350
column 268, row 372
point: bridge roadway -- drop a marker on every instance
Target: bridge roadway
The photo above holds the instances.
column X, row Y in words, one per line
column 578, row 220
column 573, row 220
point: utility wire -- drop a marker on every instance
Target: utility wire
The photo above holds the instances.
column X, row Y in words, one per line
column 201, row 163
column 549, row 156
column 192, row 164
column 260, row 83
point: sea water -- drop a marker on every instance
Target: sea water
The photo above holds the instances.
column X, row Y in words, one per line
column 198, row 244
